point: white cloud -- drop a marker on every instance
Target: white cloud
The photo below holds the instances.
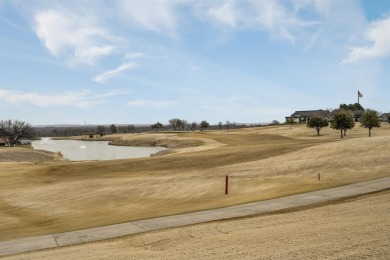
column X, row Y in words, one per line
column 271, row 16
column 135, row 55
column 72, row 38
column 80, row 99
column 102, row 78
column 379, row 34
column 153, row 15
column 227, row 14
column 151, row 103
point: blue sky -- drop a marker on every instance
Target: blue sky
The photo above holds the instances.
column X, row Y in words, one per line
column 143, row 61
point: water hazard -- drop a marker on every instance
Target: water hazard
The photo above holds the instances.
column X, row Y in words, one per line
column 74, row 150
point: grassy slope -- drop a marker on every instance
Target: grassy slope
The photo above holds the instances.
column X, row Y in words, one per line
column 262, row 163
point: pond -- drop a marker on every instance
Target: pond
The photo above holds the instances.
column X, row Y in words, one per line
column 74, row 150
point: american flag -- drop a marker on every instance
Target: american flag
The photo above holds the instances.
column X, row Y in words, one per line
column 360, row 94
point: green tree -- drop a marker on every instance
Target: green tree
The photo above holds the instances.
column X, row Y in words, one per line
column 12, row 131
column 370, row 119
column 203, row 125
column 342, row 121
column 157, row 126
column 351, row 107
column 317, row 122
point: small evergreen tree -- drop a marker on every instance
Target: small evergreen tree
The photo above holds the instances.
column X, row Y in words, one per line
column 370, row 119
column 317, row 122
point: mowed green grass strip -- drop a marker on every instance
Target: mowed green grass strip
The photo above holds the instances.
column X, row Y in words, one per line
column 44, row 198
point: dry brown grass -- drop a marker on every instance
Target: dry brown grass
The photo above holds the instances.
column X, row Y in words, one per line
column 262, row 163
column 27, row 154
column 350, row 229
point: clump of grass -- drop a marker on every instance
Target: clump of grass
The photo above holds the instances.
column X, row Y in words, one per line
column 199, row 143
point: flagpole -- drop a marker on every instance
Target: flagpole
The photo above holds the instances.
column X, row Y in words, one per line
column 359, row 96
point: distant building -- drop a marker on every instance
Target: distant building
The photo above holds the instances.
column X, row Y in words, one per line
column 384, row 117
column 304, row 116
column 355, row 114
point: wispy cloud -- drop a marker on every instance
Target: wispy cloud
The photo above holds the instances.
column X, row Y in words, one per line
column 80, row 99
column 135, row 55
column 73, row 38
column 151, row 103
column 271, row 16
column 154, row 15
column 102, row 78
column 379, row 34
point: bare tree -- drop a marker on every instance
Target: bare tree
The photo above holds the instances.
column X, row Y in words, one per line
column 184, row 123
column 290, row 121
column 228, row 124
column 113, row 129
column 193, row 126
column 126, row 129
column 173, row 122
column 220, row 126
column 12, row 131
column 100, row 130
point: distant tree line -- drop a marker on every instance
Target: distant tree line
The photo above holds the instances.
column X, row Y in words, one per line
column 64, row 131
column 177, row 124
column 13, row 131
column 343, row 119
